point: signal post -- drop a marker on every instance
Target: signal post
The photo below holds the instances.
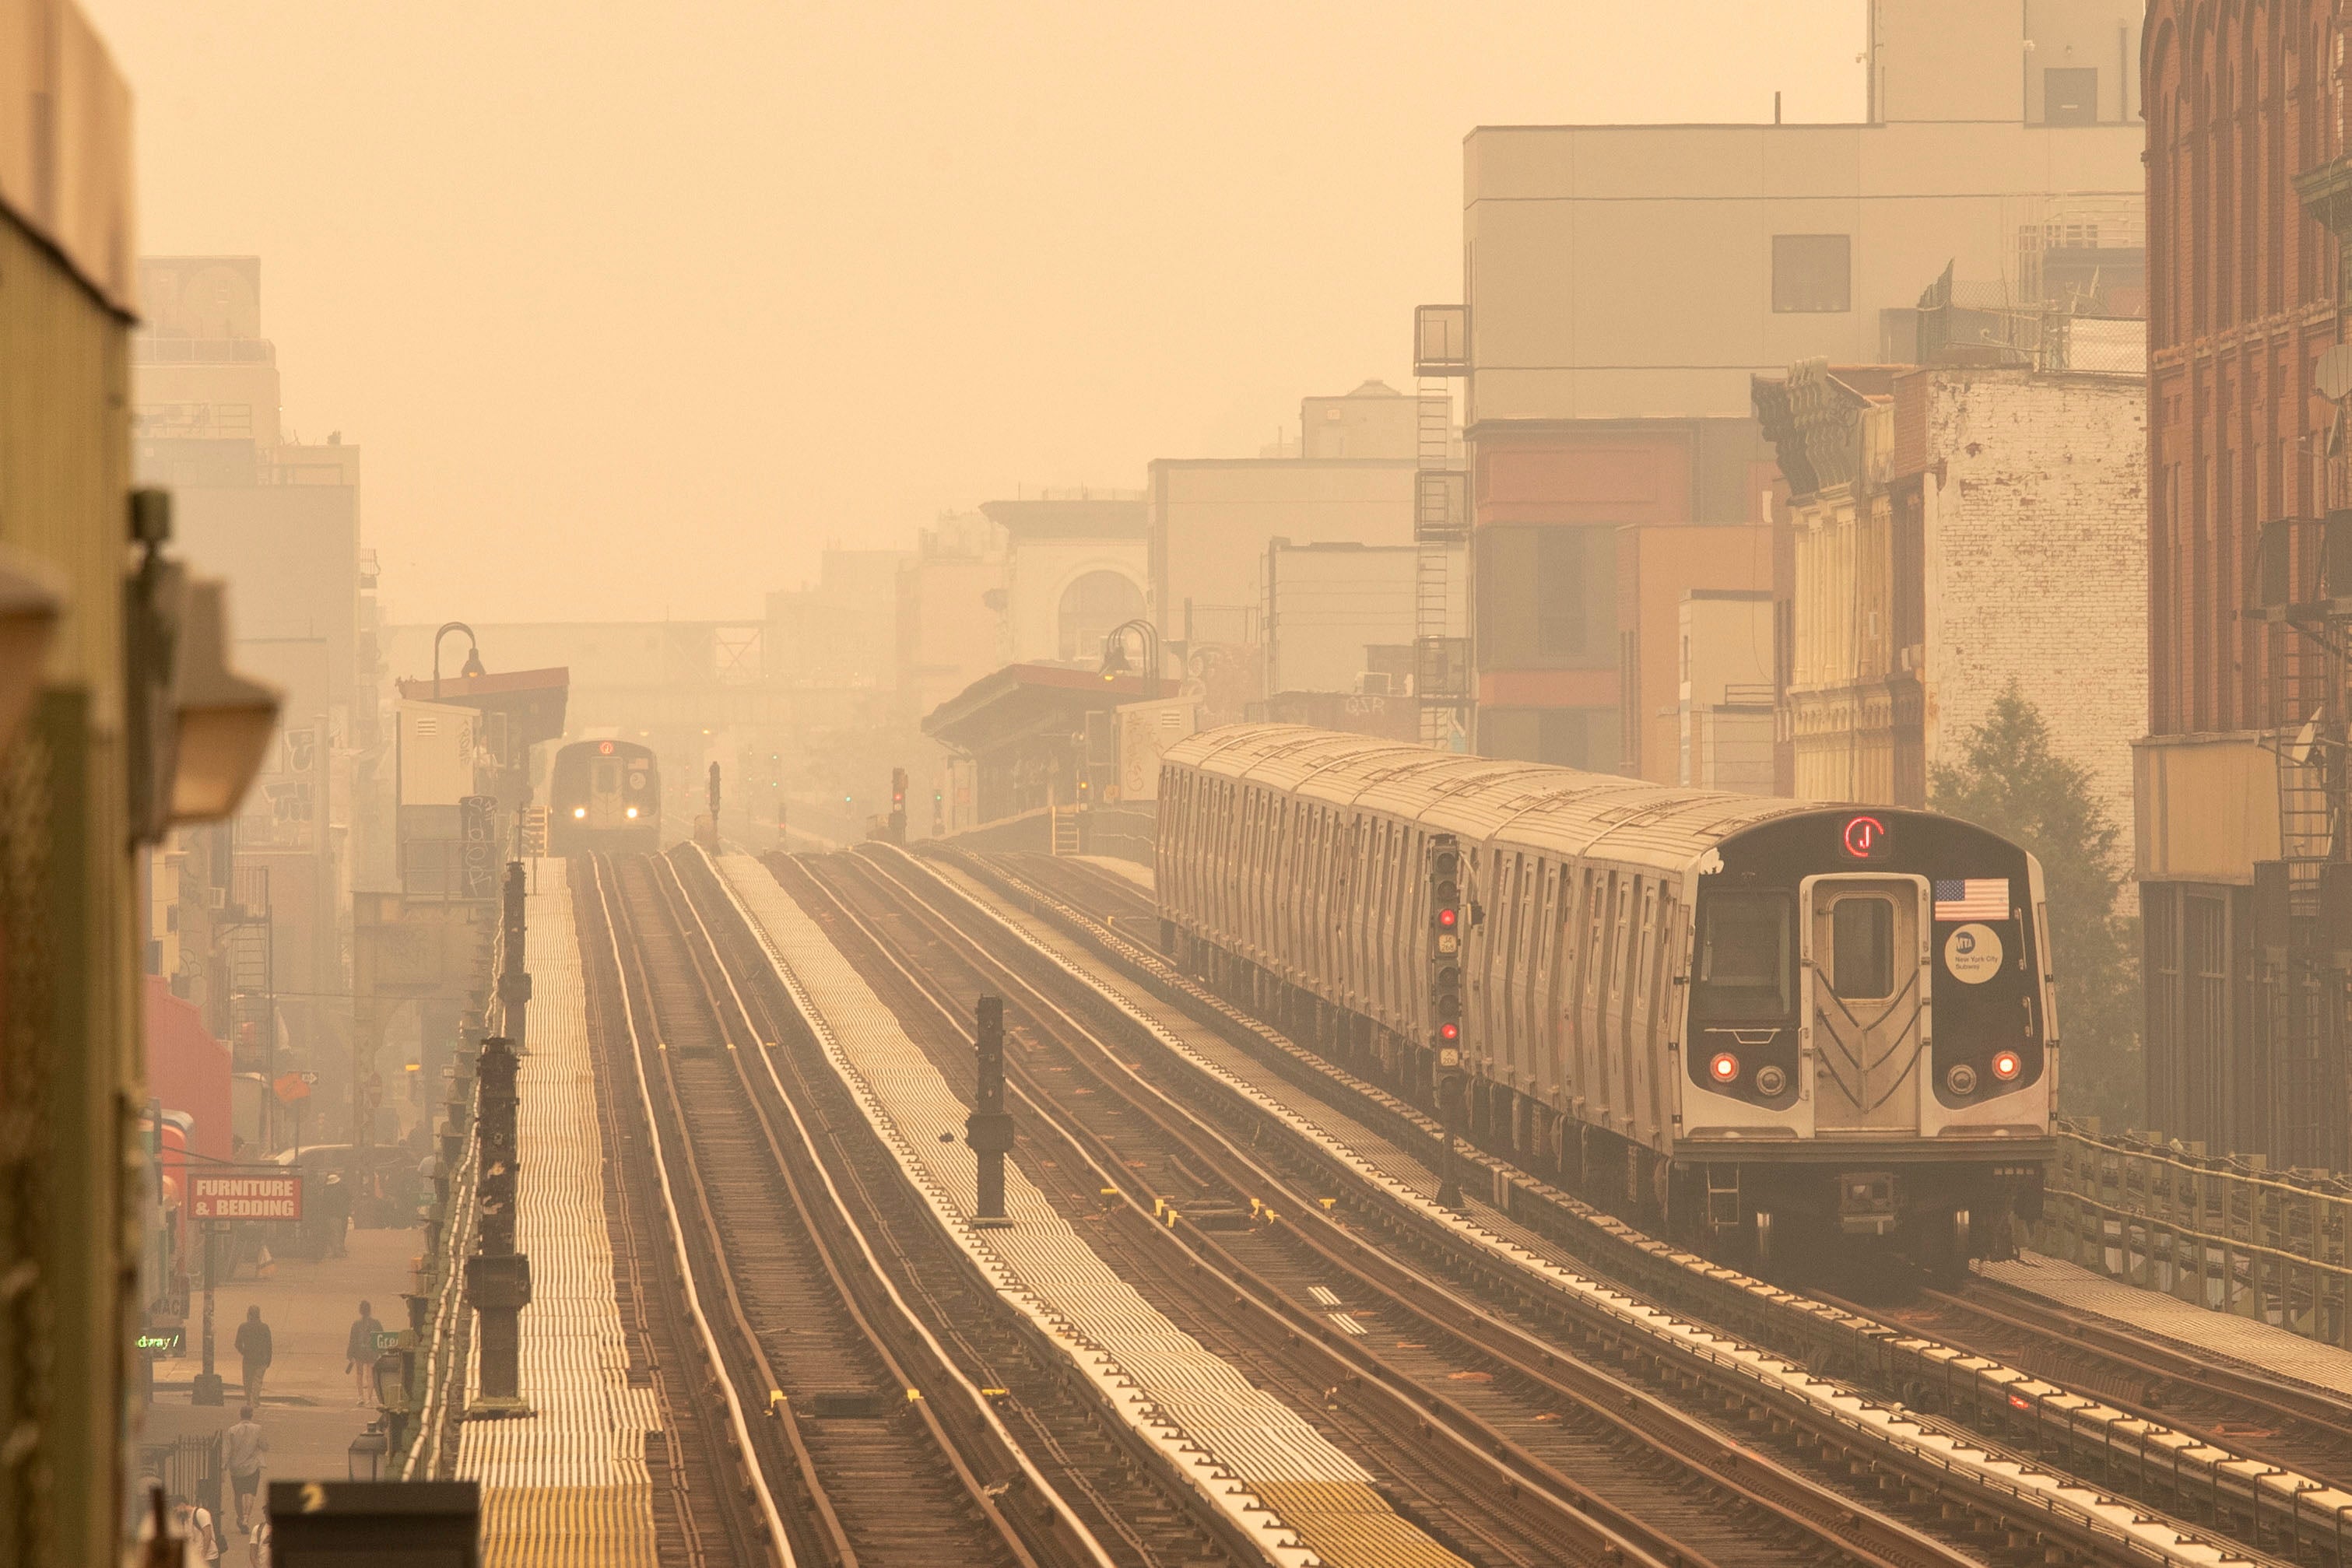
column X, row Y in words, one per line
column 1445, row 1000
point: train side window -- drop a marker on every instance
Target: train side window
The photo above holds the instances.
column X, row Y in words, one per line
column 1862, row 949
column 1746, row 949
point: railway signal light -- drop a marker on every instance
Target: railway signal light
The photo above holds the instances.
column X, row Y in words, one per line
column 898, row 805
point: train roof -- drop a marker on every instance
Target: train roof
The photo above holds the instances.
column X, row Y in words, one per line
column 1531, row 804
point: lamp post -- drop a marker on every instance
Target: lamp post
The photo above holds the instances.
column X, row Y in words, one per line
column 1114, row 655
column 473, row 666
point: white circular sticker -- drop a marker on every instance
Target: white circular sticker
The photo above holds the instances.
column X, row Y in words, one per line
column 1973, row 954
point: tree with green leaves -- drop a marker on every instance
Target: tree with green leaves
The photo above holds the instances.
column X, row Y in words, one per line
column 2007, row 778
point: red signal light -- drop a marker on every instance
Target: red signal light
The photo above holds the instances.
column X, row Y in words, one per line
column 1449, row 1032
column 1725, row 1068
column 2007, row 1064
column 1447, row 917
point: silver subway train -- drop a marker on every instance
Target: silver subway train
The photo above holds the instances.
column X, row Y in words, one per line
column 1763, row 1027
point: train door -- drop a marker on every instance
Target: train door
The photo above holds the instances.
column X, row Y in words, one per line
column 1608, row 895
column 1496, row 979
column 1524, row 1016
column 1867, row 980
column 1560, row 925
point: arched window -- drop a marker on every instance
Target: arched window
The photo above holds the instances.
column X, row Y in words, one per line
column 1091, row 606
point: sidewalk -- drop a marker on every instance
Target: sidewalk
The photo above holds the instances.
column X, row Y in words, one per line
column 307, row 1401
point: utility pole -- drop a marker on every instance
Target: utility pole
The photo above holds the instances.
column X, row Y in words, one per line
column 207, row 1389
column 989, row 1128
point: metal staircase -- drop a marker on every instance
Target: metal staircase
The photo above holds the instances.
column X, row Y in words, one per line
column 1441, row 527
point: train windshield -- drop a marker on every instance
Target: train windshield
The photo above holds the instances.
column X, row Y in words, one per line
column 1744, row 944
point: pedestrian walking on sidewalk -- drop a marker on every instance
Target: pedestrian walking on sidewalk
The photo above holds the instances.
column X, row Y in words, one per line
column 253, row 1344
column 242, row 1448
column 362, row 1351
column 194, row 1524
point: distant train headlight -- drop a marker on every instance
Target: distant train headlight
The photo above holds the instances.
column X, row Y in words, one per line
column 1725, row 1068
column 632, row 813
column 2007, row 1064
column 1961, row 1080
column 1771, row 1080
column 579, row 811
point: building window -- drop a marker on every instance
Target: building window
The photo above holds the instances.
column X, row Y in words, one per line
column 1560, row 591
column 1812, row 274
column 2069, row 95
column 1091, row 606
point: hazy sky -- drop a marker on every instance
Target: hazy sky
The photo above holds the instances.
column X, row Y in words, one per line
column 634, row 308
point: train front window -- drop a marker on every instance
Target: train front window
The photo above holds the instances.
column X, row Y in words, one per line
column 1744, row 948
column 604, row 779
column 1862, row 942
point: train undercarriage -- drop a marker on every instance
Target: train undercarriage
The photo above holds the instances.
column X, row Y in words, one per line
column 1810, row 1213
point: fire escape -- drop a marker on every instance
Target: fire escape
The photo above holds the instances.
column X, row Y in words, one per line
column 2303, row 583
column 1441, row 528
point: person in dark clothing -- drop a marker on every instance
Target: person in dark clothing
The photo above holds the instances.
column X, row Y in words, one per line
column 253, row 1343
column 360, row 1352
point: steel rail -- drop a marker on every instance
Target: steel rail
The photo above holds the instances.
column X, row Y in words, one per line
column 979, row 1405
column 777, row 1538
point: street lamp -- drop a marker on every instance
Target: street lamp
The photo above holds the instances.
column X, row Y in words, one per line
column 473, row 666
column 224, row 719
column 367, row 1453
column 1114, row 655
column 29, row 605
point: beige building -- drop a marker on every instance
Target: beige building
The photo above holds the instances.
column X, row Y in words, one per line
column 1074, row 567
column 1625, row 281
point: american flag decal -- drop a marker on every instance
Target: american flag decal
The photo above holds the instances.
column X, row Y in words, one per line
column 1976, row 898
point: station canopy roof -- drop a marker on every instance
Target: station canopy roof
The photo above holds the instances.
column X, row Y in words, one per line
column 1022, row 701
column 532, row 700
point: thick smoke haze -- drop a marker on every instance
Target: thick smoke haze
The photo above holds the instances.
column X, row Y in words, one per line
column 732, row 281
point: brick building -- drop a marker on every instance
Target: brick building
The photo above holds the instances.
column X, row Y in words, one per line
column 2246, row 175
column 1952, row 529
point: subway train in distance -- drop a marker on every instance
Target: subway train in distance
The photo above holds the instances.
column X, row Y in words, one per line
column 1769, row 1030
column 604, row 795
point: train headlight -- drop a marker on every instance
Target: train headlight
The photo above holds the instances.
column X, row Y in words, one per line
column 579, row 811
column 1771, row 1080
column 1725, row 1068
column 1961, row 1080
column 632, row 813
column 2007, row 1064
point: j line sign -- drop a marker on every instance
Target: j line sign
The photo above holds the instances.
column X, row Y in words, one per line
column 244, row 1195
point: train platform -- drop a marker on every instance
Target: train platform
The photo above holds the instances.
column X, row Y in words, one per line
column 565, row 1486
column 1250, row 1454
column 2275, row 1350
column 1134, row 871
